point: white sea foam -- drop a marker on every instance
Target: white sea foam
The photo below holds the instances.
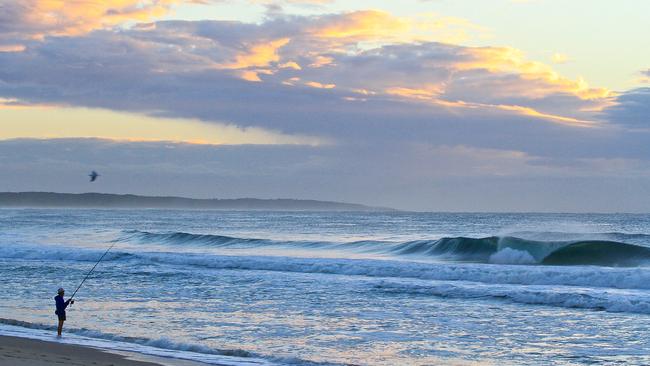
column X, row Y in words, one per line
column 163, row 347
column 627, row 301
column 512, row 256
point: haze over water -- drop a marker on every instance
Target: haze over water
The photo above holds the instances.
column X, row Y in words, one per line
column 337, row 288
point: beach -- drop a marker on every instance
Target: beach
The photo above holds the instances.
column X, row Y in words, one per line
column 17, row 351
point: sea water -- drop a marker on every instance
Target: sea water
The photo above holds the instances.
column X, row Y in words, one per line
column 380, row 288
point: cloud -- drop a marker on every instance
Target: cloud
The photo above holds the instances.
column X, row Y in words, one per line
column 293, row 2
column 548, row 81
column 645, row 76
column 560, row 58
column 632, row 110
column 35, row 19
column 12, row 48
column 260, row 54
column 379, row 27
column 318, row 85
column 404, row 52
column 386, row 95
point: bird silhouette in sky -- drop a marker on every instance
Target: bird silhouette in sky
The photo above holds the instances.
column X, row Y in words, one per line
column 93, row 176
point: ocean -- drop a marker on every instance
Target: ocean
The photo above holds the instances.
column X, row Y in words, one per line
column 335, row 288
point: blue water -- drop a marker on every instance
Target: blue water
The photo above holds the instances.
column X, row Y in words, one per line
column 336, row 288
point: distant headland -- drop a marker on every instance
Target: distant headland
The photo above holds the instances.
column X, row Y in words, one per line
column 104, row 200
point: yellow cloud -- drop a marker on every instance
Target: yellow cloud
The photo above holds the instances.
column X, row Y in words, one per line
column 380, row 26
column 421, row 94
column 258, row 55
column 431, row 96
column 363, row 91
column 511, row 60
column 318, row 85
column 249, row 75
column 58, row 122
column 367, row 24
column 290, row 65
column 320, row 61
column 291, row 81
column 526, row 111
column 559, row 58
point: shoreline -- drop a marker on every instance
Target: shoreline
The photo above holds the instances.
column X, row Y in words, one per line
column 22, row 351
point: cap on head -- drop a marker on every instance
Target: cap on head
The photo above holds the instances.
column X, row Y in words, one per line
column 61, row 290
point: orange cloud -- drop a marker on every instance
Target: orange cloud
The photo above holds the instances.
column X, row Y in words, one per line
column 12, row 48
column 36, row 19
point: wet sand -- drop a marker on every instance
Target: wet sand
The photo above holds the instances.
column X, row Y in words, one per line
column 29, row 352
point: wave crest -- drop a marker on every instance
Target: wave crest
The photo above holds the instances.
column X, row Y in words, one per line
column 493, row 249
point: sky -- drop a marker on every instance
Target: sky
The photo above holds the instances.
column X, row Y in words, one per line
column 428, row 105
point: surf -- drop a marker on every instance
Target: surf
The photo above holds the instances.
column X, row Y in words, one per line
column 584, row 276
column 493, row 249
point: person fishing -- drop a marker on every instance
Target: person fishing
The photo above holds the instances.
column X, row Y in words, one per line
column 62, row 304
column 60, row 308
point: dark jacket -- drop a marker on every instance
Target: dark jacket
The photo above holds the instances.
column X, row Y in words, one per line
column 60, row 305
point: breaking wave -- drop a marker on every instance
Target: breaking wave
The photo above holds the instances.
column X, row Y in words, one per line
column 589, row 276
column 494, row 249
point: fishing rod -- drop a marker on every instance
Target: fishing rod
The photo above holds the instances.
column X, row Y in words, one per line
column 91, row 270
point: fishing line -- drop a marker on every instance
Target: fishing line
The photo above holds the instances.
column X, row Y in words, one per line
column 91, row 270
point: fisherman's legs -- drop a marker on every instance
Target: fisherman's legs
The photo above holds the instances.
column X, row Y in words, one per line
column 60, row 328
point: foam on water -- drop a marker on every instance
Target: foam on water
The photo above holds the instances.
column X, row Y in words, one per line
column 512, row 256
column 162, row 347
column 626, row 301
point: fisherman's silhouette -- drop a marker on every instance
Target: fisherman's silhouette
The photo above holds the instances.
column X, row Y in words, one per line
column 60, row 309
column 93, row 176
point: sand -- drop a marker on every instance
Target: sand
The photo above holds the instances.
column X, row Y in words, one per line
column 28, row 352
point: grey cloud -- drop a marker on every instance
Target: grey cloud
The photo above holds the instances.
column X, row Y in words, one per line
column 159, row 72
column 632, row 110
